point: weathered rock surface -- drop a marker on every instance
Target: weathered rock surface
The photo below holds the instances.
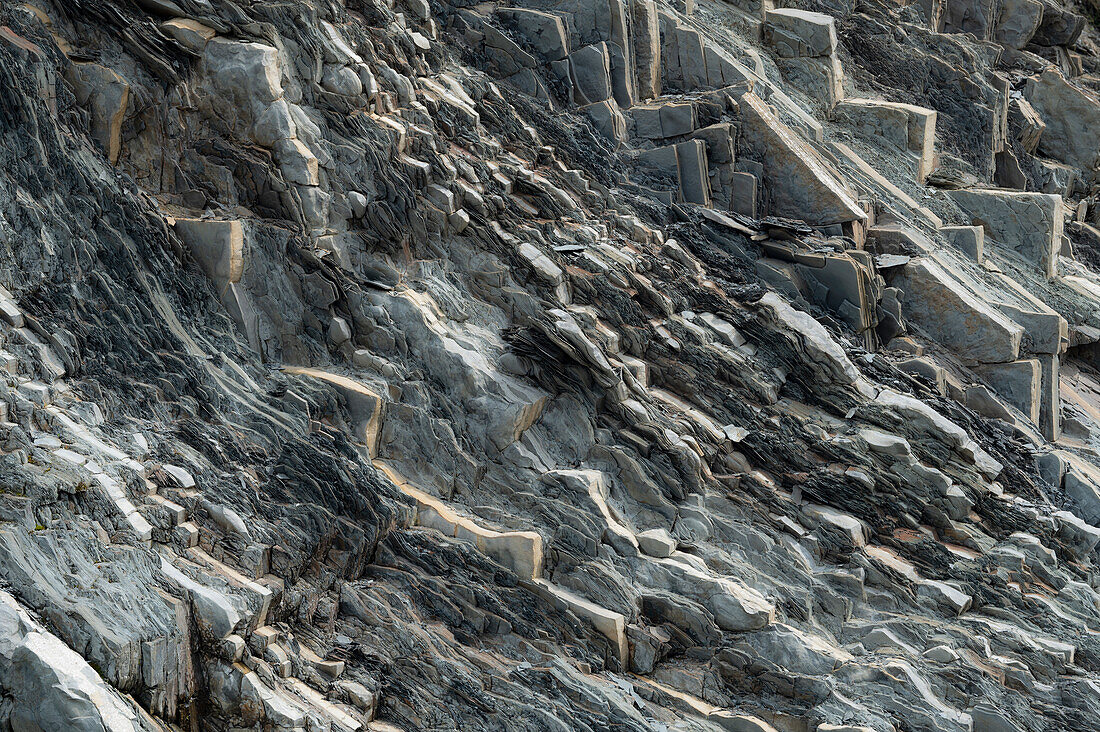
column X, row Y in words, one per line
column 549, row 364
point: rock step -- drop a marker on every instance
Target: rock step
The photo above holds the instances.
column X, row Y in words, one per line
column 316, row 700
column 279, row 659
column 177, row 512
column 237, row 579
column 724, row 718
column 519, row 550
column 83, row 435
column 610, row 623
column 125, row 506
column 364, row 406
column 188, row 531
column 908, row 127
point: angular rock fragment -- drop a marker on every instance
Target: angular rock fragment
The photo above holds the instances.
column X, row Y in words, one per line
column 191, row 34
column 797, row 182
column 218, row 246
column 544, row 32
column 1029, row 224
column 799, row 33
column 943, row 308
column 106, row 94
column 910, row 128
column 1067, row 110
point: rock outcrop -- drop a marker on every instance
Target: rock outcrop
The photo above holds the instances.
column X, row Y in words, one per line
column 549, row 364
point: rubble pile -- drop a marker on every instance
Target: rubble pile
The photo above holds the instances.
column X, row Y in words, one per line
column 549, row 365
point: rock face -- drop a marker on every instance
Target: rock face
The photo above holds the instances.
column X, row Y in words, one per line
column 549, row 364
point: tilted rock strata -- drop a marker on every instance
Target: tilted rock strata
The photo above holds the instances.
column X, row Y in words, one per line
column 550, row 365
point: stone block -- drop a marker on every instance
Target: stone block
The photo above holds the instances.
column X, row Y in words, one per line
column 1079, row 537
column 735, row 606
column 677, row 118
column 1071, row 113
column 1082, row 487
column 1017, row 22
column 245, row 73
column 906, row 126
column 622, row 74
column 297, row 162
column 190, row 34
column 1058, row 26
column 663, row 161
column 743, row 194
column 1025, row 124
column 1018, row 383
column 719, row 141
column 723, row 71
column 691, row 53
column 238, row 304
column 442, row 197
column 610, row 623
column 1045, row 331
column 341, row 80
column 970, row 240
column 657, row 543
column 821, row 79
column 970, row 16
column 797, row 182
column 646, row 122
column 363, row 405
column 684, row 56
column 836, row 523
column 215, row 614
column 658, row 121
column 608, row 119
column 693, row 169
column 1029, row 224
column 218, row 247
column 543, row 265
column 506, row 57
column 846, row 288
column 105, row 95
column 647, row 48
column 925, row 368
column 800, row 33
column 590, row 71
column 1056, row 178
column 543, row 33
column 1050, row 409
column 274, row 124
column 943, row 308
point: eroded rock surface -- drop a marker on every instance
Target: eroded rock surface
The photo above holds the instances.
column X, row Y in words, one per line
column 549, row 364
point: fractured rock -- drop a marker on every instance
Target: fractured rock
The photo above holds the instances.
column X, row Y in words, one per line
column 1068, row 111
column 647, row 48
column 797, row 182
column 1017, row 22
column 1029, row 224
column 800, row 33
column 218, row 246
column 50, row 686
column 591, row 73
column 1019, row 382
column 543, row 32
column 907, row 126
column 106, row 95
column 943, row 308
column 191, row 34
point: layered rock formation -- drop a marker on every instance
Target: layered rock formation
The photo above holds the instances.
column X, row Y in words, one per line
column 551, row 364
